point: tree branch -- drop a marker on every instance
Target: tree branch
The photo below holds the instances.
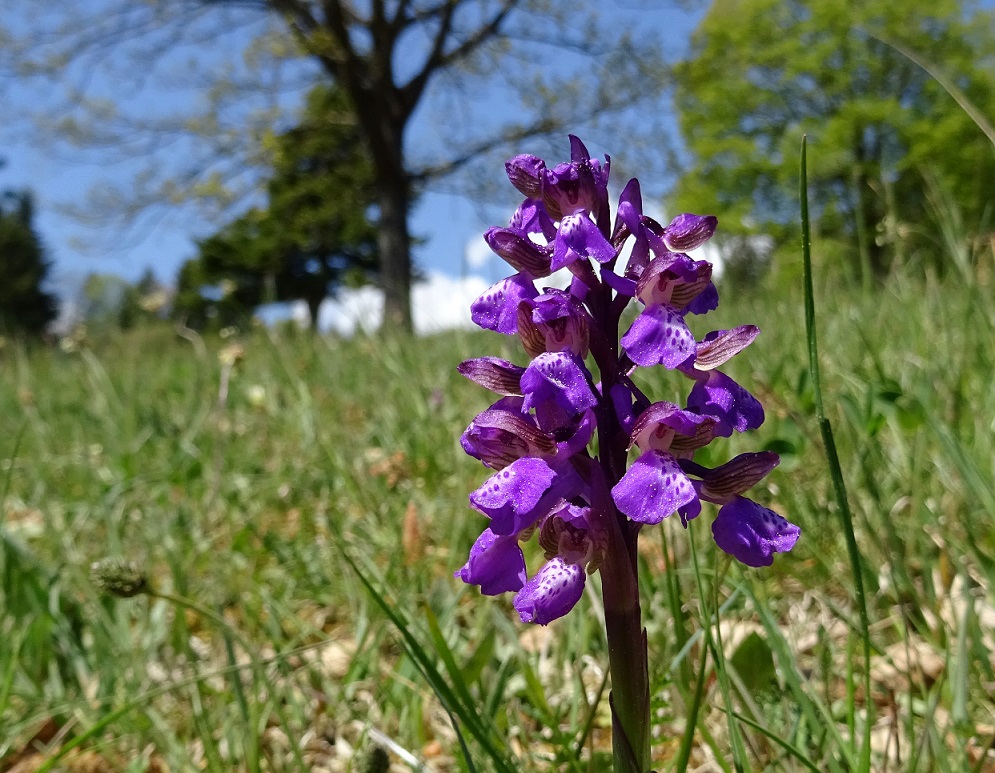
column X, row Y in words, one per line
column 438, row 59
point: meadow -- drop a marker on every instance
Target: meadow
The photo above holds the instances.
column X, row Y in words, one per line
column 259, row 479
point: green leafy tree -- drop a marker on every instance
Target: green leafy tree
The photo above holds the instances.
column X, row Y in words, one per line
column 141, row 302
column 101, row 298
column 763, row 72
column 201, row 300
column 317, row 232
column 25, row 307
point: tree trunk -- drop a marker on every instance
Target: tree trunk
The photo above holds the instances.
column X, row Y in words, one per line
column 394, row 242
column 314, row 302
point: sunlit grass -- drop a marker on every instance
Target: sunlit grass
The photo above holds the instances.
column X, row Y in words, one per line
column 241, row 500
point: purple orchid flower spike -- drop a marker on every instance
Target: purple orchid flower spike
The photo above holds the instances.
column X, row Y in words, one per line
column 559, row 440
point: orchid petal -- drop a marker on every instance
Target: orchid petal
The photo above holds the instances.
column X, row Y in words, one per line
column 510, row 497
column 496, row 564
column 653, row 488
column 497, row 309
column 658, row 336
column 726, row 401
column 752, row 533
column 687, row 231
column 551, row 593
column 579, row 238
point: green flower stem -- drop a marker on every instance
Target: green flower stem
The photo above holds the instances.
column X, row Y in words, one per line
column 627, row 654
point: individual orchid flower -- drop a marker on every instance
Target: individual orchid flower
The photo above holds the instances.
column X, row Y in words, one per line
column 575, row 546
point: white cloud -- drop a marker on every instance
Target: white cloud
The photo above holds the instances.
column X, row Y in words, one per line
column 477, row 253
column 443, row 302
column 351, row 311
column 439, row 303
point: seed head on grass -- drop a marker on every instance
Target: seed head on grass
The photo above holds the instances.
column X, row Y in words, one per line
column 119, row 577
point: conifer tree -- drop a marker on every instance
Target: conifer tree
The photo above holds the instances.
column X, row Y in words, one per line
column 25, row 307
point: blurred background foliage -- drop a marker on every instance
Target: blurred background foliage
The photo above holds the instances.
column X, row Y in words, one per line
column 900, row 175
column 891, row 152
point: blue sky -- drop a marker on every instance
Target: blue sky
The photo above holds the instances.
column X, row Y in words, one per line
column 61, row 175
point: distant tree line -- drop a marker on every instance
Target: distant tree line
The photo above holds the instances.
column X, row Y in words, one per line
column 26, row 307
column 393, row 65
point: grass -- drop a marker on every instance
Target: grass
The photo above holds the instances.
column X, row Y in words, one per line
column 237, row 487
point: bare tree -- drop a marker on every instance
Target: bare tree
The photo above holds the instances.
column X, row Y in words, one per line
column 547, row 66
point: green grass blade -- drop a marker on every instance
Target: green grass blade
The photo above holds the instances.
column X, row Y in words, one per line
column 251, row 743
column 452, row 704
column 835, row 471
column 948, row 85
column 794, row 751
column 14, row 649
column 448, row 659
column 10, row 470
column 684, row 753
column 735, row 738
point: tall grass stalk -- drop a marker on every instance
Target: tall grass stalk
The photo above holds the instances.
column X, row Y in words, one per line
column 835, row 471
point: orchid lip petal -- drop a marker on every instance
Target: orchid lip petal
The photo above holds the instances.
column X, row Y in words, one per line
column 653, row 488
column 556, row 387
column 751, row 533
column 496, row 563
column 551, row 593
column 511, row 497
column 579, row 238
column 497, row 308
column 720, row 397
column 658, row 336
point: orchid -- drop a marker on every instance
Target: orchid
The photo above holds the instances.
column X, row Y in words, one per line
column 586, row 509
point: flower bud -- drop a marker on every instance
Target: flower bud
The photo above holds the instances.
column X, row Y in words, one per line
column 520, row 252
column 687, row 231
column 524, row 171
